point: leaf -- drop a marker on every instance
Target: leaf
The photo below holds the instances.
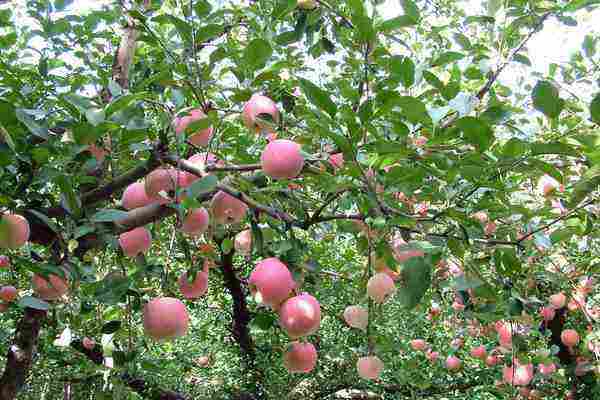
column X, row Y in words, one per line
column 202, row 7
column 7, row 138
column 257, row 53
column 283, row 8
column 589, row 46
column 31, row 124
column 416, row 279
column 69, row 200
column 287, row 37
column 514, row 148
column 203, row 185
column 95, row 116
column 393, row 24
column 476, row 132
column 264, row 321
column 595, row 109
column 413, row 109
column 108, row 215
column 462, row 40
column 446, row 58
column 112, row 289
column 318, row 97
column 404, row 69
column 120, row 102
column 538, row 148
column 523, row 59
column 182, row 27
column 364, row 27
column 33, row 302
column 209, row 32
column 410, row 9
column 546, row 99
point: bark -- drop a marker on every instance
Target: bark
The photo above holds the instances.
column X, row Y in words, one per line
column 241, row 315
column 124, row 55
column 21, row 353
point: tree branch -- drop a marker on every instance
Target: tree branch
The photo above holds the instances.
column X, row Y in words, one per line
column 556, row 220
column 250, row 202
column 492, row 79
column 241, row 315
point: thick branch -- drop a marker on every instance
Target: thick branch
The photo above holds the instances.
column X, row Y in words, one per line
column 124, row 55
column 241, row 315
column 20, row 354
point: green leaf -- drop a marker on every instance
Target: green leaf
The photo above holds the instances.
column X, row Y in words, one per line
column 589, row 46
column 283, row 8
column 33, row 127
column 112, row 289
column 476, row 132
column 318, row 97
column 203, row 185
column 70, row 201
column 546, row 99
column 446, row 58
column 7, row 138
column 514, row 148
column 404, row 69
column 33, row 302
column 202, row 7
column 357, row 7
column 411, row 9
column 108, row 215
column 462, row 40
column 264, row 321
column 413, row 109
column 595, row 109
column 257, row 53
column 523, row 59
column 287, row 37
column 183, row 28
column 416, row 279
column 95, row 116
column 538, row 148
column 209, row 32
column 120, row 102
column 393, row 24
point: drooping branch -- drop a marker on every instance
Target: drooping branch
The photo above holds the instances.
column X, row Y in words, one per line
column 21, row 353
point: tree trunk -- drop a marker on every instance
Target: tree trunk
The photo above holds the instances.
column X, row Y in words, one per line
column 21, row 353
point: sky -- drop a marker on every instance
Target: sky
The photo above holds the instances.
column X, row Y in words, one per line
column 554, row 44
